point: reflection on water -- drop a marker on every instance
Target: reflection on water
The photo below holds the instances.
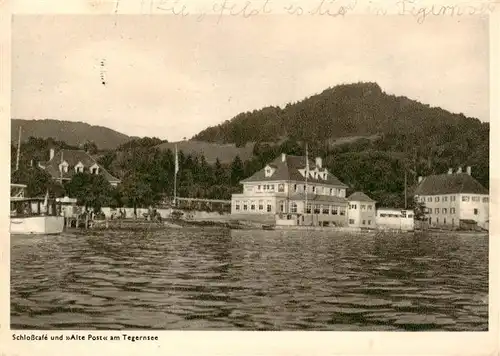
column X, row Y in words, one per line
column 249, row 280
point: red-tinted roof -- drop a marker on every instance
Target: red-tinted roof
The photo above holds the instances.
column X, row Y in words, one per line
column 289, row 170
column 450, row 184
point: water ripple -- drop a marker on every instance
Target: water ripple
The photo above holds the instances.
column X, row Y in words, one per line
column 210, row 279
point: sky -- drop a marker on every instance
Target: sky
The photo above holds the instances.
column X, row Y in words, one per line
column 171, row 77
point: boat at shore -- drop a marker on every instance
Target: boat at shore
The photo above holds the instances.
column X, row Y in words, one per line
column 39, row 216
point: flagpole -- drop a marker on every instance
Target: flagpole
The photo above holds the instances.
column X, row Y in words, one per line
column 176, row 169
column 18, row 148
column 307, row 175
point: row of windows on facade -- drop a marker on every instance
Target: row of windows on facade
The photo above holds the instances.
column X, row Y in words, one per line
column 362, row 206
column 444, row 221
column 318, row 209
column 78, row 168
column 302, row 188
column 316, row 174
column 444, row 211
column 352, row 222
column 385, row 215
column 465, row 198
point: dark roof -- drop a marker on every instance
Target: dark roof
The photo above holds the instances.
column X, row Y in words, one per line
column 360, row 196
column 72, row 157
column 289, row 170
column 450, row 184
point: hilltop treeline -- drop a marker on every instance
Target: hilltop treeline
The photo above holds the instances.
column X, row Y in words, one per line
column 402, row 138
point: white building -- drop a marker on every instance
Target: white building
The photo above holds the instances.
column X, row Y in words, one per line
column 395, row 219
column 361, row 211
column 453, row 199
column 279, row 191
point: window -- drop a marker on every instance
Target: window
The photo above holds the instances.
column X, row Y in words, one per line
column 331, row 191
column 282, row 206
column 269, row 207
column 308, row 209
column 261, row 205
column 281, row 188
column 252, row 206
column 364, row 222
column 445, row 210
column 313, row 189
column 317, row 209
column 465, row 198
column 353, row 206
column 422, row 199
column 370, row 206
column 476, row 199
column 410, row 216
column 436, row 211
column 351, row 221
column 245, row 206
column 485, row 200
column 335, row 210
column 295, row 187
column 436, row 199
column 342, row 210
column 444, row 221
column 476, row 212
column 369, row 222
column 95, row 170
column 237, row 205
column 452, row 210
column 363, row 207
column 326, row 209
column 437, row 220
column 258, row 187
column 445, row 198
column 293, row 207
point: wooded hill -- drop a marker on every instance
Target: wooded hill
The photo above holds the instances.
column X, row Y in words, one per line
column 370, row 140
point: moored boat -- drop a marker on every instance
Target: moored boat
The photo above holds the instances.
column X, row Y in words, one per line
column 41, row 216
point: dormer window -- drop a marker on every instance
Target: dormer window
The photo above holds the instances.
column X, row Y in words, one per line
column 79, row 167
column 63, row 167
column 268, row 171
column 94, row 169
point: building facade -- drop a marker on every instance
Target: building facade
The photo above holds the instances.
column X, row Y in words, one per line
column 395, row 219
column 64, row 164
column 452, row 198
column 289, row 189
column 362, row 212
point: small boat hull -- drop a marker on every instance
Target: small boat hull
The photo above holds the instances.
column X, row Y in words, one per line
column 39, row 225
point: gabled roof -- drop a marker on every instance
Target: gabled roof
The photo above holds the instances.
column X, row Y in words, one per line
column 289, row 170
column 72, row 157
column 360, row 196
column 450, row 184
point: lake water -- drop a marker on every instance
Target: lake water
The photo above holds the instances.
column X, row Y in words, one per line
column 214, row 279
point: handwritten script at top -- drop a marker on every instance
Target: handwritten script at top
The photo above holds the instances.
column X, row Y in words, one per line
column 328, row 8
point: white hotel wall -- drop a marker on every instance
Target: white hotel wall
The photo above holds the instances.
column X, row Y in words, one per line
column 395, row 222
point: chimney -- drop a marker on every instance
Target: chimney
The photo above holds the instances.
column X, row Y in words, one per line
column 469, row 171
column 459, row 170
column 51, row 154
column 450, row 171
column 283, row 157
column 319, row 162
column 420, row 179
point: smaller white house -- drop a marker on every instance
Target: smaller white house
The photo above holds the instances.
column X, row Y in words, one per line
column 361, row 213
column 395, row 219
